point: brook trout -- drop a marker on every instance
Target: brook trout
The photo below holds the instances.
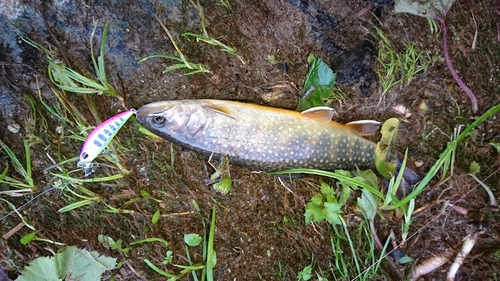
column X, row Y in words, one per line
column 262, row 138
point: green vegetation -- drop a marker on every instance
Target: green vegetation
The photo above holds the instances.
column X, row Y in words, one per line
column 70, row 126
column 318, row 84
column 72, row 263
column 394, row 68
column 204, row 37
column 70, row 80
column 184, row 63
column 192, row 240
column 21, row 186
column 221, row 179
column 330, row 204
column 353, row 248
column 437, row 11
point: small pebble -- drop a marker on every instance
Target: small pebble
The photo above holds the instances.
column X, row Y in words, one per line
column 419, row 163
column 14, row 127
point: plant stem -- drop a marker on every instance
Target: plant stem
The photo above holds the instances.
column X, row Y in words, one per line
column 454, row 73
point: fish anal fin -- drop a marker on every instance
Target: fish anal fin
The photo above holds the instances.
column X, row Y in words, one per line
column 364, row 127
column 319, row 113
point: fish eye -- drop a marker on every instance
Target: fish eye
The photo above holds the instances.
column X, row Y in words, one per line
column 159, row 121
column 84, row 155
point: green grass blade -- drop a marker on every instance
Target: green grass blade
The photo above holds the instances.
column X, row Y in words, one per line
column 101, row 71
column 174, row 67
column 149, row 240
column 158, row 270
column 4, row 173
column 211, row 255
column 443, row 157
column 75, row 180
column 337, row 176
column 27, row 152
column 159, row 56
column 24, row 172
column 76, row 205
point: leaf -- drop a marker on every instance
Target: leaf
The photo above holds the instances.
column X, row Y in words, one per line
column 211, row 257
column 474, row 168
column 314, row 209
column 317, row 200
column 369, row 177
column 405, row 259
column 368, row 203
column 223, row 186
column 496, row 145
column 156, row 217
column 306, row 273
column 42, row 269
column 327, row 190
column 426, row 9
column 107, row 241
column 347, row 180
column 192, row 239
column 169, row 256
column 332, row 212
column 79, row 264
column 71, row 264
column 318, row 84
column 29, row 237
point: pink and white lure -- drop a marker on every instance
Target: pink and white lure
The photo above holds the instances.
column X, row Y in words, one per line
column 99, row 138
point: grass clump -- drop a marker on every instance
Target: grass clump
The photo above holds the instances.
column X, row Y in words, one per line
column 393, row 67
column 204, row 37
column 68, row 79
column 183, row 62
column 27, row 183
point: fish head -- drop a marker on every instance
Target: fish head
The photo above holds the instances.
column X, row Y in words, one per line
column 181, row 119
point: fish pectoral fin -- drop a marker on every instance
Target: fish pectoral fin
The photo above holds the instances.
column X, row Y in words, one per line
column 319, row 113
column 364, row 127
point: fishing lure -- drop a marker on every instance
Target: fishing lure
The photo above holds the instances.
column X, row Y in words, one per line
column 99, row 138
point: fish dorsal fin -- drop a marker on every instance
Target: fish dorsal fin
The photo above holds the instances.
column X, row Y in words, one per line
column 363, row 127
column 319, row 113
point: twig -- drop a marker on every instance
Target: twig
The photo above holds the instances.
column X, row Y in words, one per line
column 467, row 246
column 473, row 47
column 493, row 200
column 429, row 265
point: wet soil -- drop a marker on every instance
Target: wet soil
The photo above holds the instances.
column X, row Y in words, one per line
column 260, row 229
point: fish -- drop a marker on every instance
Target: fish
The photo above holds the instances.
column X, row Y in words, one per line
column 262, row 138
column 99, row 138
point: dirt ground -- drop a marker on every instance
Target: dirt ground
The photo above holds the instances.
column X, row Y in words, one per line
column 260, row 229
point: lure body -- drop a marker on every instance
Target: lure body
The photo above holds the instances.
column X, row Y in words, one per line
column 99, row 138
column 258, row 137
